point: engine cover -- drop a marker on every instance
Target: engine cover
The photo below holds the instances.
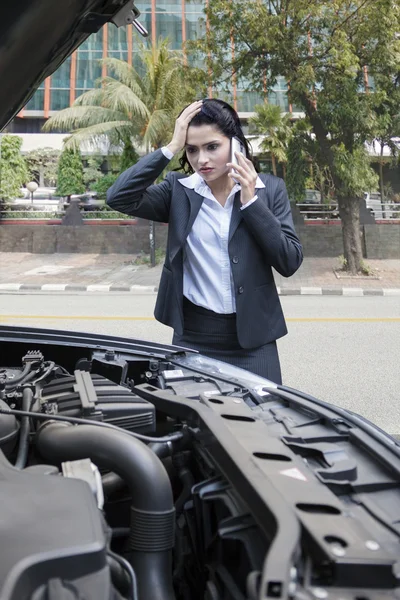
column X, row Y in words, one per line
column 52, row 534
column 92, row 396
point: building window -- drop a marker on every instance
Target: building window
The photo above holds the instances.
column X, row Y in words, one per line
column 37, row 101
column 170, row 26
column 93, row 42
column 61, row 77
column 88, row 69
column 59, row 99
column 117, row 41
column 280, row 98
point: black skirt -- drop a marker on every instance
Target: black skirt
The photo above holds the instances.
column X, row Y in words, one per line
column 215, row 336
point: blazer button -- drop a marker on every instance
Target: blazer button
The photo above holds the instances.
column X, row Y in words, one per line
column 235, row 260
column 240, row 289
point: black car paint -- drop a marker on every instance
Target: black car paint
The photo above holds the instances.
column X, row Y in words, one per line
column 36, row 36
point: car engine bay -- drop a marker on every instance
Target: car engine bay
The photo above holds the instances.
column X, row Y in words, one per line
column 138, row 471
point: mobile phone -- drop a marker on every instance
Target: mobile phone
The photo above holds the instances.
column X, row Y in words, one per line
column 236, row 146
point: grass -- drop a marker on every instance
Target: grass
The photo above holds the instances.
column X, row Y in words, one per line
column 144, row 258
column 365, row 270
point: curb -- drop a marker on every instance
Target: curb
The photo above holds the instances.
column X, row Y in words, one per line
column 71, row 287
column 151, row 289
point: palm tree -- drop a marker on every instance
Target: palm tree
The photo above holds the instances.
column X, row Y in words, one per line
column 275, row 126
column 129, row 103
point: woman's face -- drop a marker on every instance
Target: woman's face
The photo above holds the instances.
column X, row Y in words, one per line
column 208, row 150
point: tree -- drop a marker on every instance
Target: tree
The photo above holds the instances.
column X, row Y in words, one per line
column 131, row 103
column 275, row 126
column 42, row 165
column 92, row 171
column 13, row 169
column 129, row 156
column 298, row 160
column 101, row 186
column 70, row 173
column 328, row 51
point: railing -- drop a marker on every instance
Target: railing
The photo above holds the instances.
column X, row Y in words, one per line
column 104, row 214
column 385, row 211
column 381, row 212
column 30, row 215
column 319, row 211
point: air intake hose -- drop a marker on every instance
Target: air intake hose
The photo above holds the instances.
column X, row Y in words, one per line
column 152, row 512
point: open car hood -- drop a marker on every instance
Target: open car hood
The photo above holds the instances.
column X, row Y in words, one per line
column 36, row 36
column 264, row 492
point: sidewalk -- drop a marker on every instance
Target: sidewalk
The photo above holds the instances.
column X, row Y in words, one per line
column 119, row 273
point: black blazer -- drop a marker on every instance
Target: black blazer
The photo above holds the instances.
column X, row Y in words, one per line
column 260, row 237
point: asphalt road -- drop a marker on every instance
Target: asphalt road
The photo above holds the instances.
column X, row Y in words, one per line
column 345, row 350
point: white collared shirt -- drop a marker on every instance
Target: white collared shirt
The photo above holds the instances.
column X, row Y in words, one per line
column 207, row 276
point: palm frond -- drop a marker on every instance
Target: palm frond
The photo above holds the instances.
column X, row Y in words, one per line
column 124, row 73
column 77, row 117
column 114, row 131
column 91, row 97
column 159, row 128
column 121, row 98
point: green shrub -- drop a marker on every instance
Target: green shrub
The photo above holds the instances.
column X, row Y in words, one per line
column 101, row 186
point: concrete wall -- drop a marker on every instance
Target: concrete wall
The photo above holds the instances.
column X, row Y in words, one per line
column 321, row 240
column 379, row 241
column 95, row 239
column 382, row 241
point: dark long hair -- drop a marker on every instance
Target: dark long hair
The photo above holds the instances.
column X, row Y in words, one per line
column 222, row 115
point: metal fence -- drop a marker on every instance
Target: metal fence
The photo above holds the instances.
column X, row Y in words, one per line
column 310, row 212
column 30, row 215
column 319, row 211
column 385, row 211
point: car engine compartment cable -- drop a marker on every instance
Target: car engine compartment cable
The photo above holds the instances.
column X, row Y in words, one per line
column 23, row 446
column 173, row 437
column 126, row 568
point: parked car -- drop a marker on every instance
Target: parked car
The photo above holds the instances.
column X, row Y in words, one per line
column 44, row 199
column 133, row 470
column 379, row 209
column 312, row 206
column 312, row 197
column 42, row 193
column 47, row 199
column 87, row 201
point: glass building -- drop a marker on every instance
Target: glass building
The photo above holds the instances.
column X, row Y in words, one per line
column 177, row 20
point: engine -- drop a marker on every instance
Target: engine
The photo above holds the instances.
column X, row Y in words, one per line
column 154, row 476
column 109, row 498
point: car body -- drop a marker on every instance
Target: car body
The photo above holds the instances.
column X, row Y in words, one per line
column 87, row 201
column 312, row 206
column 379, row 209
column 46, row 199
column 269, row 492
column 131, row 470
column 43, row 199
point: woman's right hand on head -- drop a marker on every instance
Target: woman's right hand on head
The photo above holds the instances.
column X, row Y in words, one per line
column 181, row 126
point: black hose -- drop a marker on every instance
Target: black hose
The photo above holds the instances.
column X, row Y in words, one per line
column 114, row 483
column 173, row 437
column 187, row 480
column 152, row 510
column 123, row 573
column 180, row 463
column 23, row 445
column 11, row 383
column 120, row 532
column 162, row 449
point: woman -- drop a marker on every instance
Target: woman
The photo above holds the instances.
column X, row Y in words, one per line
column 226, row 232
